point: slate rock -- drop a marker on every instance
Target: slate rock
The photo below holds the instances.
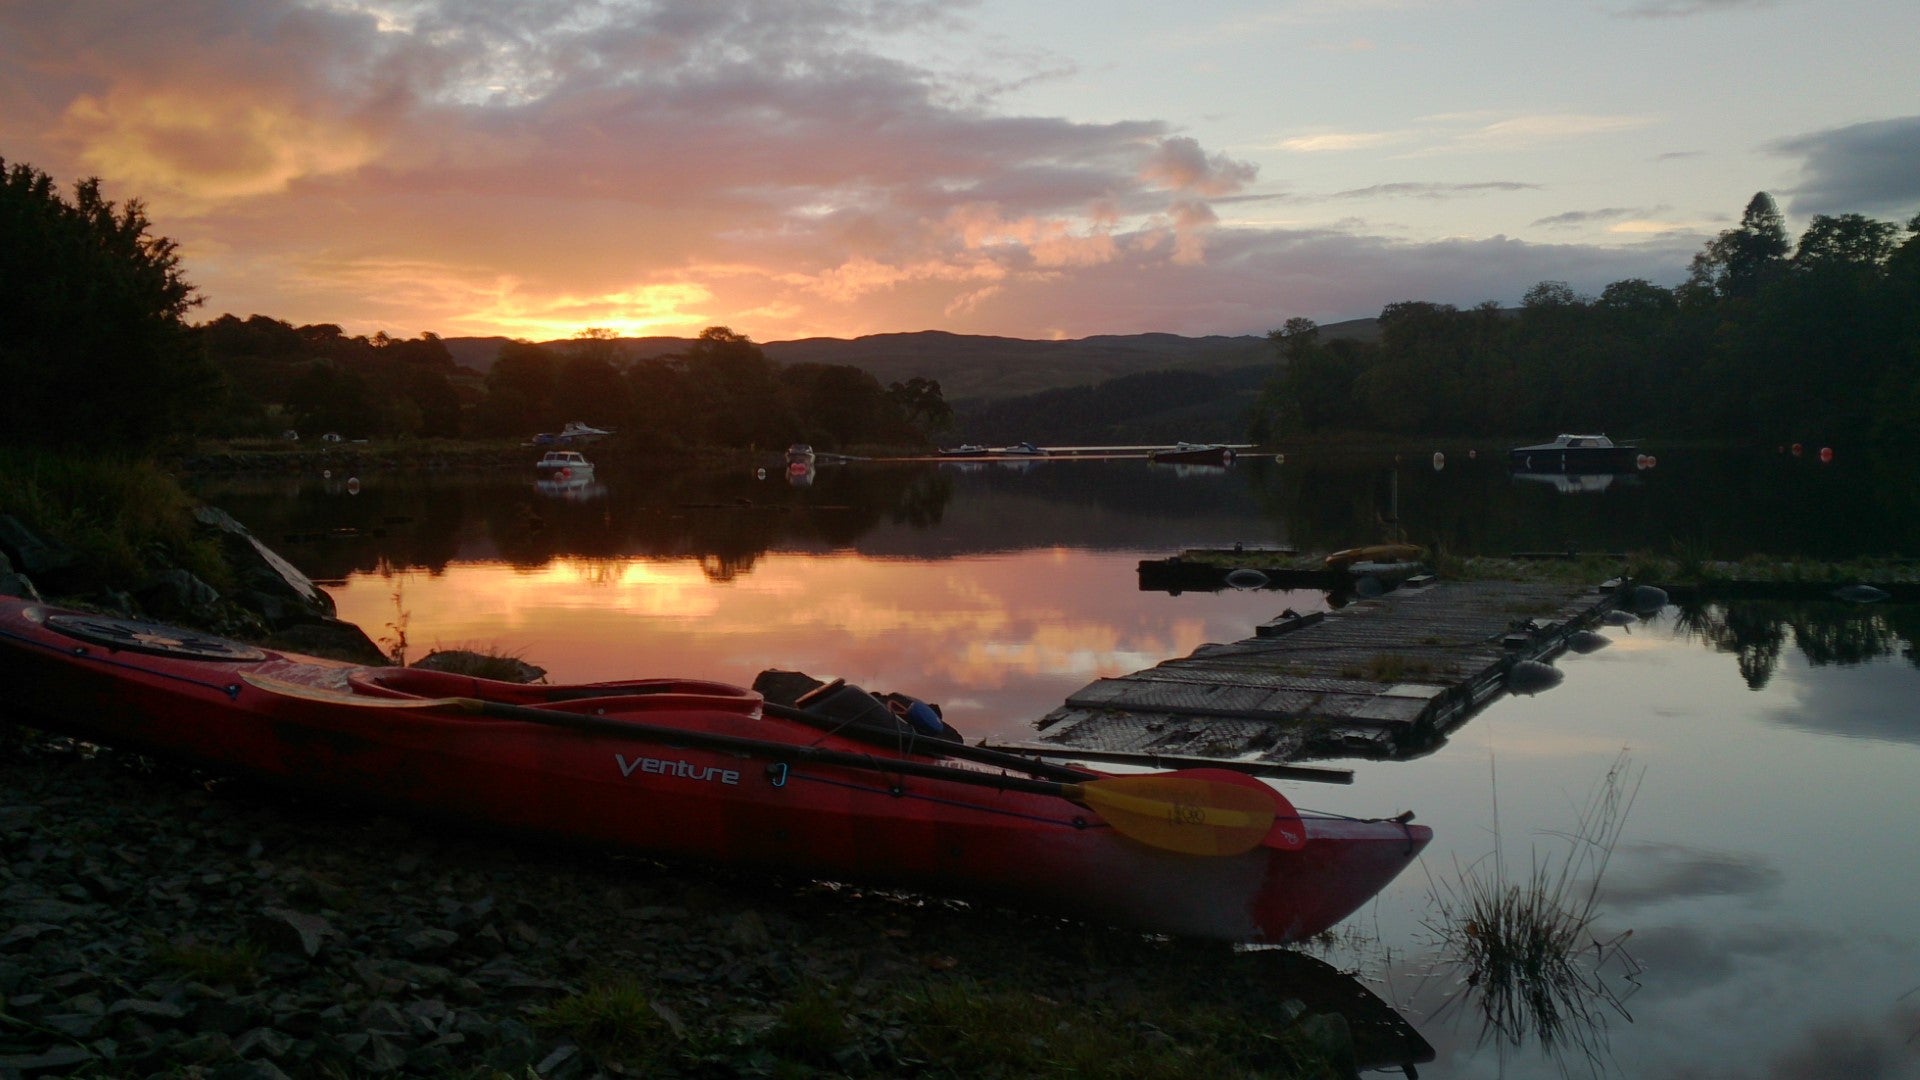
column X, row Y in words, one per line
column 30, row 552
column 176, row 592
column 57, row 1057
column 286, row 930
column 261, row 570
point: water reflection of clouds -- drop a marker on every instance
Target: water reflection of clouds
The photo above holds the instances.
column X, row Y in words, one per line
column 1862, row 701
column 1883, row 1047
column 1651, row 873
column 1677, row 960
column 998, row 640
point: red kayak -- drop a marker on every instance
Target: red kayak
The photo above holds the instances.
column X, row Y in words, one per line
column 713, row 772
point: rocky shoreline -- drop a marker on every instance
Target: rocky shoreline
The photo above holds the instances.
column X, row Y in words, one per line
column 161, row 922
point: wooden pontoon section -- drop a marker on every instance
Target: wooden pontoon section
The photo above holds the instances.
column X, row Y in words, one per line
column 1382, row 678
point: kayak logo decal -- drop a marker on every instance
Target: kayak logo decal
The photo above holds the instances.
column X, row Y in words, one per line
column 685, row 770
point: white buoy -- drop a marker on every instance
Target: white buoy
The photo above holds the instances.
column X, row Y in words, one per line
column 1532, row 676
column 353, row 485
column 1247, row 578
column 1586, row 641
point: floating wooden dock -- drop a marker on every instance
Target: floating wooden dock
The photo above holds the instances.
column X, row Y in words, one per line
column 1382, row 678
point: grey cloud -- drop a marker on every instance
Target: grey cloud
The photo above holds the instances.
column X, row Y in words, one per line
column 1182, row 165
column 1587, row 217
column 1421, row 190
column 1870, row 168
column 1679, row 9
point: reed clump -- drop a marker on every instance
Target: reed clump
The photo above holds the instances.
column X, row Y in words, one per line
column 1527, row 946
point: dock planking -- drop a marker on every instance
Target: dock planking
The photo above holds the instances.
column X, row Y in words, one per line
column 1382, row 678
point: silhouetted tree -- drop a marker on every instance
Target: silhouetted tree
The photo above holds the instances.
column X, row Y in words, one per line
column 736, row 392
column 94, row 348
column 1740, row 261
column 922, row 402
column 520, row 389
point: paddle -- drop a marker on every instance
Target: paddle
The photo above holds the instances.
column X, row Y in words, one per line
column 1026, row 759
column 1195, row 815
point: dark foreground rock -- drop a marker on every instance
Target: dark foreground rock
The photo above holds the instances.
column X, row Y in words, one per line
column 158, row 922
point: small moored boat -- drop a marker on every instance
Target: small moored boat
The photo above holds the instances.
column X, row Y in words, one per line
column 699, row 770
column 1193, row 454
column 569, row 465
column 1575, row 453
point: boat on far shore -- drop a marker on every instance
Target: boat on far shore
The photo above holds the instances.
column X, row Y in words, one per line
column 1186, row 453
column 575, row 433
column 1575, row 453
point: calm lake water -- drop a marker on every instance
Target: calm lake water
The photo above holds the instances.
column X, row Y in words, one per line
column 1766, row 867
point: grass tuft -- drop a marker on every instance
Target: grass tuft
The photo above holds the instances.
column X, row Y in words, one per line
column 1527, row 947
column 613, row 1021
column 235, row 965
column 812, row 1027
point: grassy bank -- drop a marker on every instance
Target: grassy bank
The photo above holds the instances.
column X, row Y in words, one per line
column 115, row 518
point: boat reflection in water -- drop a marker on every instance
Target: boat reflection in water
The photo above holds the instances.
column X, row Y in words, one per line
column 572, row 488
column 1579, row 483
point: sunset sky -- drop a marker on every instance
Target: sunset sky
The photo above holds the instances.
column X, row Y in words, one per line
column 793, row 168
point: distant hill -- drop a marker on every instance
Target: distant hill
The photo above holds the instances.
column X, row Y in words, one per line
column 1132, row 410
column 971, row 366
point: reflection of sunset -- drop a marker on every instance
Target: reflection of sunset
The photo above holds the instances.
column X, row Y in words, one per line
column 998, row 641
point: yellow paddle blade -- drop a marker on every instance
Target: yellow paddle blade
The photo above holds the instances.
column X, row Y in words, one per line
column 1178, row 813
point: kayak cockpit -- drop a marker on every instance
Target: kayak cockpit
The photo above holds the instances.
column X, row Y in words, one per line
column 633, row 695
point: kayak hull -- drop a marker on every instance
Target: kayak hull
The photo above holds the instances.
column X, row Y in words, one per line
column 392, row 740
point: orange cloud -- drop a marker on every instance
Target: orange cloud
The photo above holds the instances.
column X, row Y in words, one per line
column 199, row 148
